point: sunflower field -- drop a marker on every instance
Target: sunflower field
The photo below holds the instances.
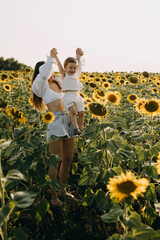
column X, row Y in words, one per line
column 115, row 173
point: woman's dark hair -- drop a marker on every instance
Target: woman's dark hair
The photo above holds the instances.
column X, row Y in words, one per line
column 37, row 102
column 70, row 60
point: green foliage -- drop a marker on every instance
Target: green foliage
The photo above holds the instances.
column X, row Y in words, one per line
column 124, row 140
column 11, row 64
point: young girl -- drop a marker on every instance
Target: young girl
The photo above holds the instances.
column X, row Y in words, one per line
column 71, row 86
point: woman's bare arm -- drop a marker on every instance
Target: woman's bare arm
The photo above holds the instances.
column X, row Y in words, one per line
column 54, row 53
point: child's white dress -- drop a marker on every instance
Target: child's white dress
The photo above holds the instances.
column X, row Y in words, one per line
column 71, row 82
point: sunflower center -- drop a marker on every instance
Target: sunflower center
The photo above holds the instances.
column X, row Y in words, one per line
column 97, row 79
column 97, row 109
column 48, row 116
column 4, row 76
column 133, row 97
column 133, row 80
column 93, row 85
column 126, row 187
column 152, row 106
column 112, row 98
column 101, row 93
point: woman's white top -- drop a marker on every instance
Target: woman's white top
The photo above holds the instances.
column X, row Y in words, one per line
column 40, row 85
column 71, row 82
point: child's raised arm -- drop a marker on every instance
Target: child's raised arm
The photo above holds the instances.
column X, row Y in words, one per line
column 79, row 54
column 53, row 53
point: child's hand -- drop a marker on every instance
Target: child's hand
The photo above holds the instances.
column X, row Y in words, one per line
column 79, row 52
column 53, row 53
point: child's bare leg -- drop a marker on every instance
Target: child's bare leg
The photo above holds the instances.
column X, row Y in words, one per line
column 73, row 113
column 81, row 120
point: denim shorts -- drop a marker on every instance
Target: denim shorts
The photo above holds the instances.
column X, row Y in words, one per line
column 61, row 126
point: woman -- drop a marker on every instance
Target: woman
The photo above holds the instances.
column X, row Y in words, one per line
column 47, row 92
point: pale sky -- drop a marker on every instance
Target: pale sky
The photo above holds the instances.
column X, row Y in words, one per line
column 118, row 35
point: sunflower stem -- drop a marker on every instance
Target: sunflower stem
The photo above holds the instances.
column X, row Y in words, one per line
column 126, row 216
column 150, row 141
column 1, row 185
column 2, row 200
column 105, row 151
column 46, row 141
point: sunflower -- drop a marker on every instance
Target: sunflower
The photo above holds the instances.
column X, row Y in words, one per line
column 126, row 83
column 22, row 119
column 29, row 86
column 151, row 107
column 7, row 87
column 82, row 95
column 155, row 90
column 121, row 81
column 100, row 93
column 132, row 98
column 88, row 100
column 143, row 80
column 10, row 78
column 48, row 117
column 139, row 104
column 133, row 80
column 155, row 78
column 28, row 79
column 92, row 85
column 83, row 78
column 124, row 186
column 118, row 78
column 106, row 85
column 158, row 163
column 16, row 114
column 97, row 110
column 13, row 112
column 117, row 83
column 113, row 97
column 157, row 83
column 145, row 74
column 28, row 70
column 15, row 75
column 30, row 100
column 118, row 94
column 3, row 77
column 95, row 96
column 110, row 81
column 139, row 77
column 91, row 75
column 97, row 79
column 3, row 105
column 101, row 75
column 104, row 79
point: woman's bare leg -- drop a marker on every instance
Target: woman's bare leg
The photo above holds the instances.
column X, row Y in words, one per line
column 81, row 120
column 55, row 147
column 67, row 156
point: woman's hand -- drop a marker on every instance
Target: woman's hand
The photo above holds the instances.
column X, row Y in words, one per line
column 79, row 52
column 53, row 53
